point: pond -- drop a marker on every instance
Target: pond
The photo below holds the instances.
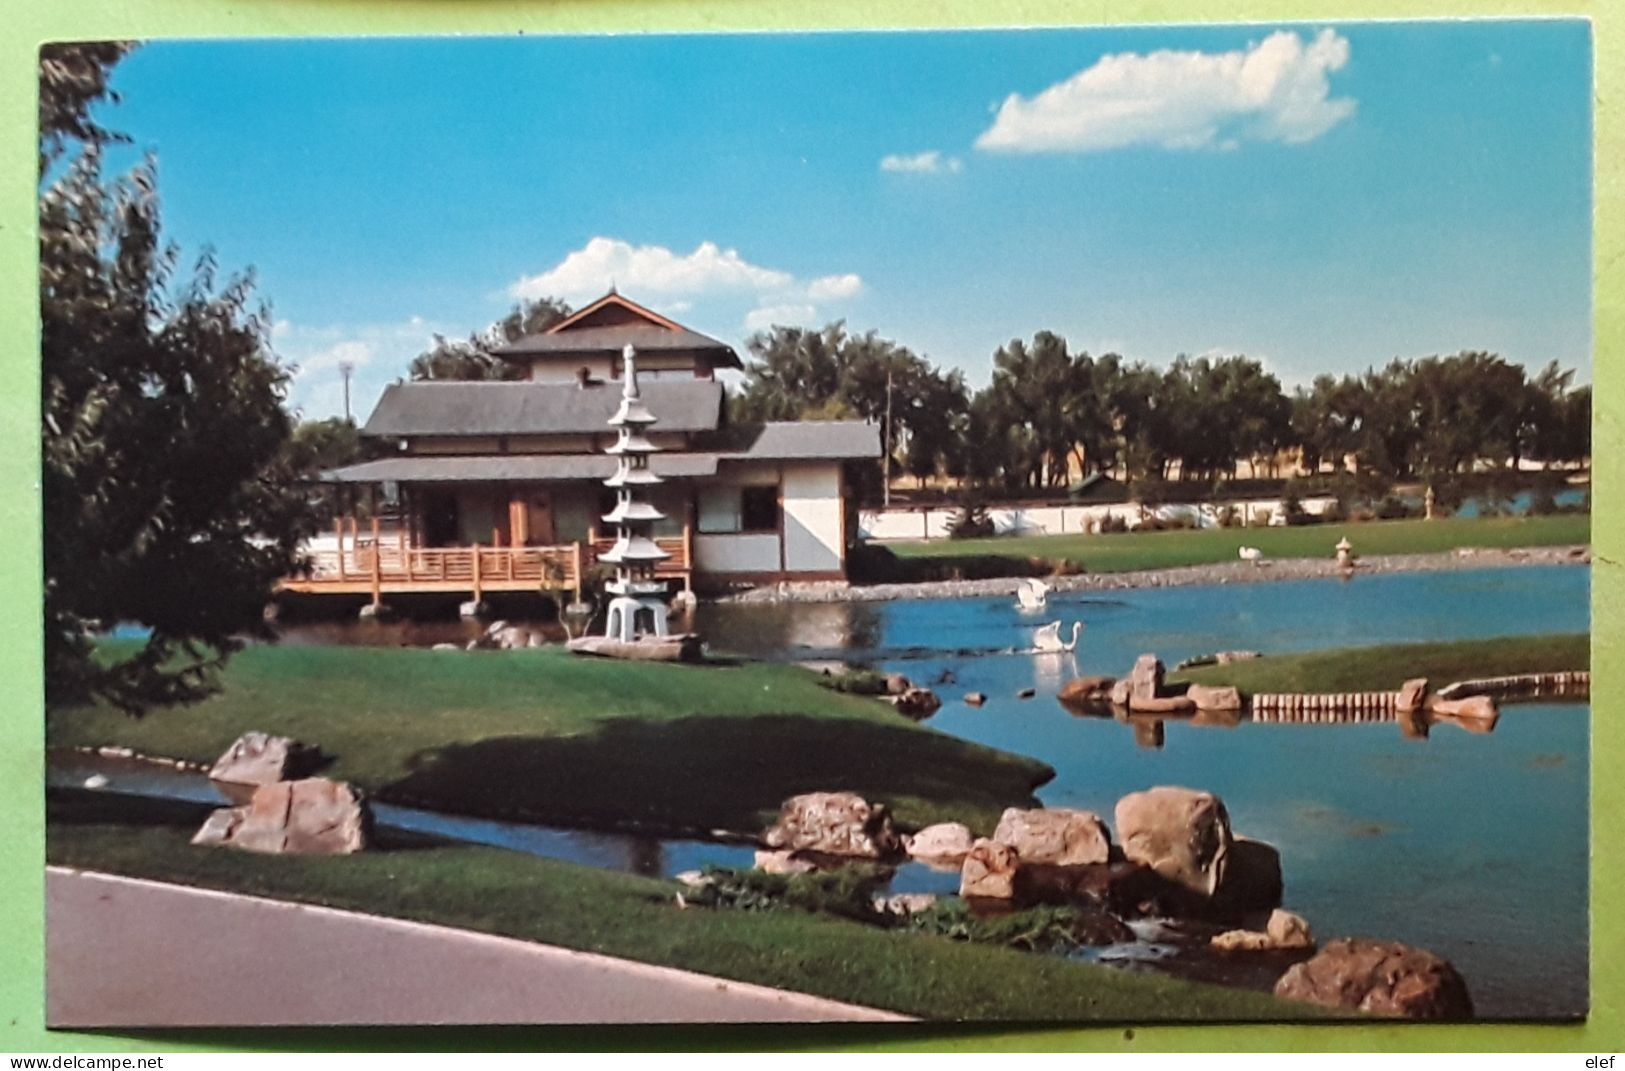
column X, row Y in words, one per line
column 1473, row 846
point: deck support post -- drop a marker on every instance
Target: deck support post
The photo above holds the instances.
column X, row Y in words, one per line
column 479, row 590
column 577, row 566
column 338, row 532
column 377, row 563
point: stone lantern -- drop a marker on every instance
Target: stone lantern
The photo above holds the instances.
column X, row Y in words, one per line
column 1345, row 553
column 637, row 608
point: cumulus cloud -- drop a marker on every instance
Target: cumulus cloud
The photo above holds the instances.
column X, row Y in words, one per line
column 651, row 270
column 835, row 287
column 674, row 282
column 766, row 316
column 376, row 353
column 1276, row 89
column 923, row 163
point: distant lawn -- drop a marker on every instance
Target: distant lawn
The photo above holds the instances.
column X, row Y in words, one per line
column 516, row 895
column 1355, row 669
column 1130, row 551
column 578, row 740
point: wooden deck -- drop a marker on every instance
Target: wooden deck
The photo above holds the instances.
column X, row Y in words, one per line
column 383, row 564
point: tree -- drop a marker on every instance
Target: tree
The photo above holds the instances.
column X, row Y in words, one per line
column 169, row 500
column 473, row 358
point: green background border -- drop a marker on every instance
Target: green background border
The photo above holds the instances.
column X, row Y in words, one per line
column 21, row 842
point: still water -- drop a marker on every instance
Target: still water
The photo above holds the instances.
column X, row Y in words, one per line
column 1473, row 846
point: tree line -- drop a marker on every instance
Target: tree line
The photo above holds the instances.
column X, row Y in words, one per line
column 1049, row 414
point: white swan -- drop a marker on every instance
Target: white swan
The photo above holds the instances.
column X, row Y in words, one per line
column 1032, row 594
column 1048, row 638
column 1252, row 554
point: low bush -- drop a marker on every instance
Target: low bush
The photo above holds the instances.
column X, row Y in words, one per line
column 855, row 682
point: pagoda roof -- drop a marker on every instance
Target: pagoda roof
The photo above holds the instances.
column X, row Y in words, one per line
column 612, row 323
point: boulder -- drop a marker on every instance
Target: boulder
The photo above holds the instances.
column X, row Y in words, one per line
column 905, row 904
column 835, row 823
column 917, row 703
column 989, row 871
column 1145, row 680
column 1214, row 697
column 259, row 759
column 1086, row 689
column 1284, row 931
column 315, row 816
column 1026, row 693
column 897, row 684
column 1379, row 978
column 1252, row 877
column 1224, row 658
column 1059, row 836
column 1168, row 704
column 1181, row 833
column 1412, row 694
column 1122, row 692
column 1472, row 708
column 947, row 842
column 782, row 863
column 975, row 699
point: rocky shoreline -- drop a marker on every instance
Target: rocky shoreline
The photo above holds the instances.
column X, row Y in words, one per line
column 1236, row 572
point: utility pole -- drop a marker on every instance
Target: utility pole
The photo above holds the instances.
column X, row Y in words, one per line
column 346, row 370
column 885, row 485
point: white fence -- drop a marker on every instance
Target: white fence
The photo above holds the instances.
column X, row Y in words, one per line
column 898, row 524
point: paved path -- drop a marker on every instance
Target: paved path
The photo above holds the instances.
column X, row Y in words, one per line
column 127, row 952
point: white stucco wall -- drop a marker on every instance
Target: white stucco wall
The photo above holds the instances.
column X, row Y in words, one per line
column 812, row 518
column 902, row 524
column 750, row 552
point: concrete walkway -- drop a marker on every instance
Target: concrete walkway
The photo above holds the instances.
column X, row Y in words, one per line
column 128, row 952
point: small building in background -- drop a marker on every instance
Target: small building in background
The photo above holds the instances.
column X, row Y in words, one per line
column 498, row 485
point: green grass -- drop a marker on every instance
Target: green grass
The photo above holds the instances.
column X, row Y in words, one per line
column 1130, row 551
column 577, row 740
column 521, row 896
column 1356, row 669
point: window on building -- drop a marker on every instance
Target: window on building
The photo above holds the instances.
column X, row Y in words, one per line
column 738, row 509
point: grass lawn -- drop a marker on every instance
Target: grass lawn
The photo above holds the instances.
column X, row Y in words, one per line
column 1130, row 551
column 1354, row 669
column 574, row 740
column 517, row 895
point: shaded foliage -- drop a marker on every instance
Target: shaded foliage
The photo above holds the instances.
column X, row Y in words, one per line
column 475, row 357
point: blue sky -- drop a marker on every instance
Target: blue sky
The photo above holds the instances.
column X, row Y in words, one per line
column 1322, row 197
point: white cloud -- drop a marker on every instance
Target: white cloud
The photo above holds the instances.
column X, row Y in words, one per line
column 1275, row 90
column 931, row 162
column 766, row 316
column 650, row 270
column 377, row 353
column 835, row 287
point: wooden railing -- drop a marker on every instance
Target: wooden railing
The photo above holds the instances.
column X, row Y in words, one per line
column 363, row 564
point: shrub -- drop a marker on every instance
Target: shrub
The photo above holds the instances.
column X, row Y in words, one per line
column 1392, row 508
column 1113, row 522
column 855, row 682
column 1333, row 513
column 1261, row 518
column 971, row 522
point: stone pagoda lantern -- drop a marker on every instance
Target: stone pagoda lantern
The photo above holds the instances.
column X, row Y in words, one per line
column 637, row 608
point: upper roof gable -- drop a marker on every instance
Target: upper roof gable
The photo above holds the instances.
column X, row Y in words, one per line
column 613, row 310
column 612, row 323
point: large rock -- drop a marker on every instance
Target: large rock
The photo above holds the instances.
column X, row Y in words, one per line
column 1145, row 680
column 783, row 863
column 1058, row 836
column 1252, row 877
column 1412, row 694
column 1284, row 931
column 989, row 871
column 257, row 758
column 1181, row 833
column 315, row 816
column 1086, row 690
column 1168, row 704
column 1214, row 697
column 1473, row 708
column 897, row 684
column 1121, row 692
column 917, row 703
column 1379, row 978
column 945, row 842
column 835, row 823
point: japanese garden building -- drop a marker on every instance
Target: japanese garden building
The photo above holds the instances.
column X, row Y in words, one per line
column 498, row 485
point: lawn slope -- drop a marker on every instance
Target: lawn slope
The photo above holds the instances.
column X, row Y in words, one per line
column 556, row 737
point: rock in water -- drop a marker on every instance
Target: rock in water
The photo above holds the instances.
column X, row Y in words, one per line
column 315, row 816
column 1181, row 833
column 782, row 863
column 1252, row 877
column 917, row 703
column 1284, row 931
column 946, row 842
column 989, row 871
column 257, row 758
column 1412, row 694
column 835, row 823
column 1086, row 689
column 975, row 699
column 897, row 684
column 1214, row 697
column 1061, row 836
column 1145, row 681
column 1379, row 978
